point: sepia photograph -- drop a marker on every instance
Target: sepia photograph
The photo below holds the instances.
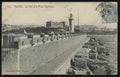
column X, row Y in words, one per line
column 59, row 38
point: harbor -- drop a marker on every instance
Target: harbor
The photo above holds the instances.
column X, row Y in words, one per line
column 62, row 39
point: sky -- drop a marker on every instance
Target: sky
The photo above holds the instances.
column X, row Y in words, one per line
column 17, row 13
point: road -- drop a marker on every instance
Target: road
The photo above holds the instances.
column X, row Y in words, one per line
column 59, row 64
column 63, row 68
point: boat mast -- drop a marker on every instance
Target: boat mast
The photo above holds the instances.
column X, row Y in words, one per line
column 78, row 18
column 78, row 21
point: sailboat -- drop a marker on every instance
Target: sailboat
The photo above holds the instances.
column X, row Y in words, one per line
column 25, row 31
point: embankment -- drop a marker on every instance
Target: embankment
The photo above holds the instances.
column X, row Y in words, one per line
column 110, row 42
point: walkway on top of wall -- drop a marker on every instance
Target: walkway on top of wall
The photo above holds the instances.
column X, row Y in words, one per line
column 55, row 64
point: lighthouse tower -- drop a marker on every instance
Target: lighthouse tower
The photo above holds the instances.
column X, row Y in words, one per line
column 71, row 27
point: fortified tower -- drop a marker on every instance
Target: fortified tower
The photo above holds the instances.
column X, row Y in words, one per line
column 71, row 27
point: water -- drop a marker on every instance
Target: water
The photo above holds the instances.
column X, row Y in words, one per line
column 110, row 42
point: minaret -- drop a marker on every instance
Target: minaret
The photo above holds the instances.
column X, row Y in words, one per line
column 71, row 27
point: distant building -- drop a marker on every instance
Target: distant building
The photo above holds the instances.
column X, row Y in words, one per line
column 6, row 27
column 77, row 27
column 90, row 28
column 51, row 24
column 82, row 28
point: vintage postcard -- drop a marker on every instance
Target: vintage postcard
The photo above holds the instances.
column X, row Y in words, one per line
column 59, row 38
